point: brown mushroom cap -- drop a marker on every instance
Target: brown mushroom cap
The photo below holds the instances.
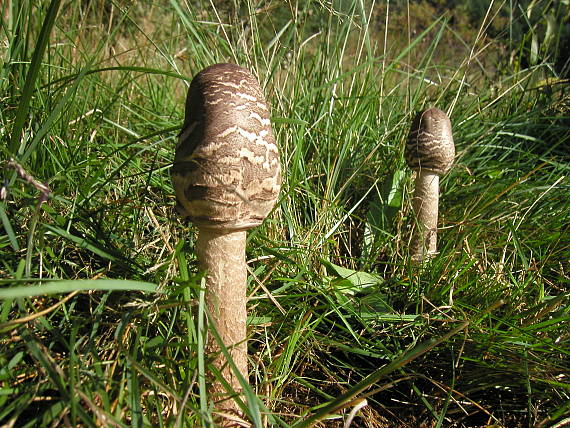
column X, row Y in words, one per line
column 226, row 169
column 430, row 142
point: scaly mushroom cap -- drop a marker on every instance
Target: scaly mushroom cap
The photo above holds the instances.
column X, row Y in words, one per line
column 430, row 142
column 226, row 169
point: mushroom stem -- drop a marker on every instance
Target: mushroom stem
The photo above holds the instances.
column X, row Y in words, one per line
column 222, row 256
column 425, row 204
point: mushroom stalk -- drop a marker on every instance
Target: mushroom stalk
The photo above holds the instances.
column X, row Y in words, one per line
column 222, row 257
column 425, row 204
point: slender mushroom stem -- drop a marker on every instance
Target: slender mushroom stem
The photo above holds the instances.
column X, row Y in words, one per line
column 425, row 204
column 222, row 256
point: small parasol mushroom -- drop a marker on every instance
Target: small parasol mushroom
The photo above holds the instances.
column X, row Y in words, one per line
column 430, row 152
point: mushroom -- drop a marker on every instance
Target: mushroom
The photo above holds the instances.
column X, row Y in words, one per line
column 430, row 152
column 227, row 177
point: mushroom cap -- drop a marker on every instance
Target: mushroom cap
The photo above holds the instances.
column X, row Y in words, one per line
column 226, row 170
column 430, row 142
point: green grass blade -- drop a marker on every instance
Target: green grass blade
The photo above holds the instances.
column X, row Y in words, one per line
column 31, row 77
column 201, row 336
column 61, row 287
column 8, row 228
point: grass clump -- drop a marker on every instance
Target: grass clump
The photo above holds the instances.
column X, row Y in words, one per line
column 92, row 99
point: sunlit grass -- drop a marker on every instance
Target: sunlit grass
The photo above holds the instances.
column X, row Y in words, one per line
column 477, row 336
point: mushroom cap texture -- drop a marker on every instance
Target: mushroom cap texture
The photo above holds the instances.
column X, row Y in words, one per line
column 226, row 171
column 430, row 142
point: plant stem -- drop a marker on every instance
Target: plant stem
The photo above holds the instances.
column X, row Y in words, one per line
column 425, row 203
column 222, row 256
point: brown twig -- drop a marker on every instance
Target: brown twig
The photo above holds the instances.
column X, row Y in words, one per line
column 39, row 314
column 43, row 188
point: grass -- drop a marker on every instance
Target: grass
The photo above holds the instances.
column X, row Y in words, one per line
column 92, row 100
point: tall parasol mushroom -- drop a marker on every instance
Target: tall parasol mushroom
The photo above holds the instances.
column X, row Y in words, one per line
column 227, row 177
